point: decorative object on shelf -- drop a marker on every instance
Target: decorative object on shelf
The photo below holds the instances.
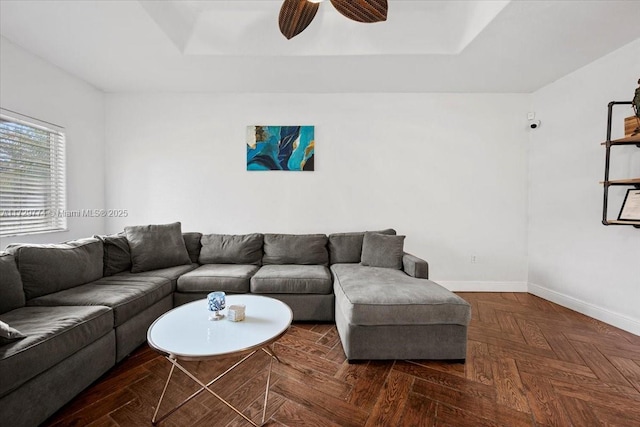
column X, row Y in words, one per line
column 236, row 312
column 216, row 303
column 296, row 15
column 630, row 210
column 285, row 148
column 636, row 108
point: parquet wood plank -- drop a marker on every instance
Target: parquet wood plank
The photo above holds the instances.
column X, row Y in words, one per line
column 541, row 397
column 254, row 411
column 456, row 369
column 485, row 408
column 299, row 358
column 105, row 421
column 368, row 385
column 323, row 328
column 612, row 341
column 314, row 379
column 546, row 362
column 594, row 395
column 392, row 399
column 509, row 388
column 560, row 345
column 330, row 338
column 599, row 364
column 334, row 409
column 468, row 387
column 529, row 363
column 336, row 354
column 579, row 411
column 508, row 323
column 478, row 367
column 419, row 412
column 532, row 334
column 293, row 414
column 451, row 416
column 101, row 408
column 628, row 368
column 487, row 313
column 305, row 346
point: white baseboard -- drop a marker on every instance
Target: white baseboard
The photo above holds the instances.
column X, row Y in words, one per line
column 476, row 286
column 616, row 319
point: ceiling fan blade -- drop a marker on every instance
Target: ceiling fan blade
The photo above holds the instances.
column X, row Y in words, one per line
column 295, row 16
column 362, row 10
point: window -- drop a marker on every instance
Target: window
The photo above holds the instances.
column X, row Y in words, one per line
column 32, row 175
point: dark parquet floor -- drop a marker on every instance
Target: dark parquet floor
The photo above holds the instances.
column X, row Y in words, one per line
column 529, row 363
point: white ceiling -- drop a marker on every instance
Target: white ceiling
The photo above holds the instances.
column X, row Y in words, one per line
column 236, row 46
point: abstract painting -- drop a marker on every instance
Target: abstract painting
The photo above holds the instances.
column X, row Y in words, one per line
column 281, row 148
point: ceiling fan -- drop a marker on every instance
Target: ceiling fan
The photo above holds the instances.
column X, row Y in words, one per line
column 296, row 15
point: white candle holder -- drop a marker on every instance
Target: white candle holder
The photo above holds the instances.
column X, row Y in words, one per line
column 236, row 312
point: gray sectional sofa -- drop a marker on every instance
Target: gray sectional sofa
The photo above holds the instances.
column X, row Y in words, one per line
column 69, row 312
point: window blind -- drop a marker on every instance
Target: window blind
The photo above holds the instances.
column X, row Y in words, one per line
column 32, row 175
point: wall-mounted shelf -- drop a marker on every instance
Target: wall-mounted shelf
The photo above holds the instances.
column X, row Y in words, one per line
column 628, row 182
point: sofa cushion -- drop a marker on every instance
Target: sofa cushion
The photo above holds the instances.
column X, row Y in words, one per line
column 192, row 242
column 11, row 293
column 127, row 296
column 301, row 249
column 48, row 268
column 383, row 296
column 347, row 247
column 117, row 255
column 292, row 279
column 232, row 278
column 380, row 250
column 231, row 249
column 8, row 334
column 171, row 273
column 52, row 335
column 156, row 246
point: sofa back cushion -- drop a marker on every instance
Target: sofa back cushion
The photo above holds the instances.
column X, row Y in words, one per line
column 347, row 247
column 192, row 242
column 11, row 292
column 48, row 268
column 117, row 256
column 302, row 249
column 156, row 246
column 231, row 249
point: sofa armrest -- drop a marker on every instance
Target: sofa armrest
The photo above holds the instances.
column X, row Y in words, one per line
column 414, row 266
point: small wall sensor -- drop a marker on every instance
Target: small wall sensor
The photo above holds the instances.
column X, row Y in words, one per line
column 534, row 124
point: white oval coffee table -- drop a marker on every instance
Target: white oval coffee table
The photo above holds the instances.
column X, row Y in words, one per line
column 186, row 333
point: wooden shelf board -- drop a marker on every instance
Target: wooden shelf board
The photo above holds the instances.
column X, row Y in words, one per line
column 629, row 181
column 617, row 222
column 629, row 140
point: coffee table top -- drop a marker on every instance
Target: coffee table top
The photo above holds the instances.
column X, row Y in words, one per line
column 187, row 333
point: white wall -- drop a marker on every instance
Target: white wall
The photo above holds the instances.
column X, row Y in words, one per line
column 447, row 170
column 33, row 87
column 573, row 258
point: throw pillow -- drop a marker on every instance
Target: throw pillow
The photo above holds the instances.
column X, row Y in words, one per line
column 156, row 246
column 8, row 334
column 192, row 242
column 231, row 249
column 117, row 255
column 380, row 250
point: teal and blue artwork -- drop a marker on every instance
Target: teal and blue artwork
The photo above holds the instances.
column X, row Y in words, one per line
column 280, row 148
